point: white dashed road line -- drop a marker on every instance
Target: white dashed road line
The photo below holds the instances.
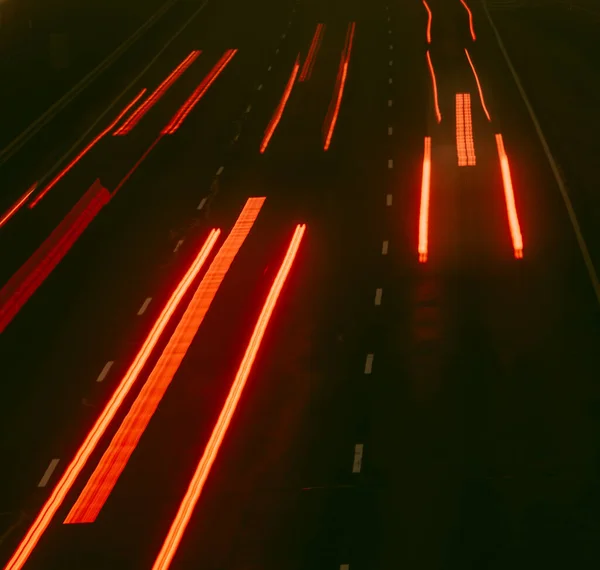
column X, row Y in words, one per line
column 358, row 454
column 390, row 131
column 144, row 306
column 369, row 364
column 259, row 87
column 388, row 200
column 390, row 80
column 178, row 245
column 389, row 102
column 201, row 205
column 384, row 247
column 248, row 108
column 105, row 371
column 390, row 163
column 48, row 473
column 220, row 171
column 378, row 295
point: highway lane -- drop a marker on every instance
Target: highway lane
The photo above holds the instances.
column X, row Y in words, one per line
column 472, row 416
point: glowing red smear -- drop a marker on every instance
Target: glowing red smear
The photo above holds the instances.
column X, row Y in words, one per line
column 71, row 164
column 17, row 205
column 509, row 196
column 115, row 458
column 478, row 86
column 471, row 28
column 280, row 108
column 73, row 470
column 198, row 93
column 465, row 145
column 309, row 62
column 424, row 211
column 341, row 82
column 139, row 113
column 435, row 91
column 179, row 524
column 429, row 17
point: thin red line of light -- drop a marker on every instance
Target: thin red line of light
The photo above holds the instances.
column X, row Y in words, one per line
column 423, row 247
column 17, row 205
column 139, row 113
column 435, row 91
column 190, row 499
column 429, row 18
column 312, row 54
column 198, row 93
column 64, row 485
column 64, row 171
column 115, row 458
column 342, row 75
column 478, row 86
column 470, row 19
column 280, row 108
column 509, row 196
column 136, row 165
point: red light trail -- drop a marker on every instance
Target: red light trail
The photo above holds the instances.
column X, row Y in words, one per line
column 471, row 28
column 465, row 147
column 435, row 91
column 17, row 205
column 478, row 86
column 309, row 62
column 424, row 210
column 429, row 17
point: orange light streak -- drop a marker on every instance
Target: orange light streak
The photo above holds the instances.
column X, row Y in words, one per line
column 429, row 17
column 280, row 108
column 509, row 195
column 17, row 205
column 139, row 113
column 115, row 458
column 424, row 211
column 198, row 93
column 186, row 508
column 309, row 62
column 54, row 502
column 435, row 91
column 342, row 75
column 465, row 146
column 478, row 87
column 71, row 164
column 470, row 19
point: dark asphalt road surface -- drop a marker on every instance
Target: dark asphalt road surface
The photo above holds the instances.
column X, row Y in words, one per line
column 479, row 417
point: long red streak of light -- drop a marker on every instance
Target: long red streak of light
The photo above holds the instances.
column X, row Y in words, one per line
column 478, row 87
column 198, row 93
column 509, row 195
column 342, row 74
column 136, row 165
column 424, row 211
column 54, row 502
column 470, row 19
column 139, row 113
column 309, row 62
column 429, row 17
column 71, row 164
column 115, row 458
column 280, row 108
column 435, row 91
column 173, row 539
column 17, row 205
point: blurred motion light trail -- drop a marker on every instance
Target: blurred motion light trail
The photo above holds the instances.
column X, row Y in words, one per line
column 471, row 28
column 309, row 62
column 115, row 458
column 478, row 86
column 17, row 205
column 465, row 147
column 424, row 210
column 186, row 508
column 54, row 502
column 429, row 17
column 435, row 91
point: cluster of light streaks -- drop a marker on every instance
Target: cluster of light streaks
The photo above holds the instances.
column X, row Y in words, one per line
column 334, row 108
column 190, row 499
column 509, row 196
column 465, row 147
column 115, row 458
column 139, row 113
column 198, row 93
column 65, row 483
column 309, row 62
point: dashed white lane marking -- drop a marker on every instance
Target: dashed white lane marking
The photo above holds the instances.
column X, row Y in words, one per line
column 48, row 473
column 220, row 171
column 358, row 453
column 391, row 46
column 390, row 163
column 388, row 200
column 389, row 102
column 389, row 31
column 276, row 51
column 178, row 245
column 248, row 108
column 269, row 68
column 283, row 36
column 259, row 87
column 388, row 19
column 378, row 295
column 236, row 137
column 105, row 371
column 201, row 205
column 369, row 364
column 390, row 131
column 344, row 566
column 384, row 247
column 144, row 306
column 390, row 80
